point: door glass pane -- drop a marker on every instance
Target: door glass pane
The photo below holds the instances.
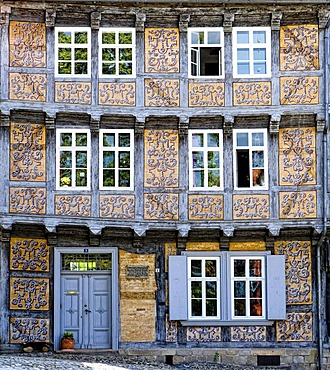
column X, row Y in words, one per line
column 86, row 262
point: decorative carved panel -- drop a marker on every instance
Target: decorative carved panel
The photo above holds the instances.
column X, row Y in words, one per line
column 205, row 207
column 298, row 270
column 250, row 207
column 27, row 86
column 117, row 206
column 73, row 205
column 171, row 331
column 27, row 44
column 162, row 50
column 297, row 204
column 29, row 254
column 27, row 200
column 29, row 294
column 202, row 246
column 247, row 246
column 121, row 94
column 299, row 48
column 73, row 92
column 297, row 156
column 248, row 334
column 27, row 152
column 24, row 330
column 161, row 158
column 162, row 206
column 203, row 334
column 162, row 93
column 298, row 327
column 206, row 94
column 252, row 93
column 299, row 90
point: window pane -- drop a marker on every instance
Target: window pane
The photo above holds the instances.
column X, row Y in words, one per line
column 108, row 160
column 66, row 139
column 81, row 139
column 196, row 289
column 239, row 307
column 81, row 177
column 65, row 177
column 243, row 37
column 108, row 178
column 259, row 68
column 125, row 69
column 243, row 54
column 255, row 289
column 257, row 139
column 65, row 159
column 64, row 68
column 64, row 37
column 197, row 140
column 80, row 68
column 196, row 268
column 197, row 37
column 108, row 68
column 64, row 53
column 210, row 268
column 81, row 159
column 125, row 54
column 239, row 268
column 80, row 54
column 81, row 38
column 213, row 140
column 239, row 289
column 196, row 307
column 198, row 159
column 242, row 139
column 211, row 307
column 125, row 38
column 213, row 37
column 124, row 178
column 258, row 177
column 124, row 159
column 255, row 307
column 259, row 54
column 108, row 38
column 243, row 68
column 211, row 289
column 108, row 54
column 259, row 37
column 213, row 159
column 258, row 159
column 124, row 140
column 109, row 140
column 198, row 179
column 214, row 178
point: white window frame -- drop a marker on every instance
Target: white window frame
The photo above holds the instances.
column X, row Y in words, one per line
column 251, row 46
column 247, row 279
column 251, row 149
column 197, row 46
column 73, row 46
column 73, row 149
column 205, row 149
column 117, row 46
column 116, row 149
column 204, row 279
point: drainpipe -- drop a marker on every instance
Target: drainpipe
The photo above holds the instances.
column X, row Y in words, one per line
column 325, row 194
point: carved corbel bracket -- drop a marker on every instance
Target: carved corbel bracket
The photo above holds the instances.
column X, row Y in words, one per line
column 320, row 123
column 228, row 124
column 4, row 120
column 51, row 227
column 228, row 230
column 139, row 22
column 274, row 230
column 276, row 21
column 228, row 20
column 274, row 124
column 4, row 15
column 50, row 123
column 139, row 126
column 95, row 20
column 94, row 124
column 183, row 231
column 184, row 21
column 183, row 125
column 323, row 16
column 50, row 17
column 140, row 230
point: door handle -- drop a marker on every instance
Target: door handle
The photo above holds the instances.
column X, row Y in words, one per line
column 87, row 311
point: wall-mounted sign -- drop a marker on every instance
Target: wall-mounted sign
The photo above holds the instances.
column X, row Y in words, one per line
column 137, row 272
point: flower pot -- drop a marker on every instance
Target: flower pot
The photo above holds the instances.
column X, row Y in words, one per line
column 67, row 344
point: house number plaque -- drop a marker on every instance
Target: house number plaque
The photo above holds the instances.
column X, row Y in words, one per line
column 137, row 272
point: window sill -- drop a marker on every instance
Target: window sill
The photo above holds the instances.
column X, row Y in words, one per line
column 262, row 322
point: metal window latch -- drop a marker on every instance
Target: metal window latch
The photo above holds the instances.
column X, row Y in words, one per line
column 87, row 311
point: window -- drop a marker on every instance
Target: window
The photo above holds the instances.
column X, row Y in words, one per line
column 250, row 159
column 223, row 287
column 252, row 52
column 116, row 159
column 72, row 54
column 117, row 52
column 205, row 158
column 205, row 52
column 73, row 159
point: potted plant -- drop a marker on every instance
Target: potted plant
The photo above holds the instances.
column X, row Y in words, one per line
column 67, row 341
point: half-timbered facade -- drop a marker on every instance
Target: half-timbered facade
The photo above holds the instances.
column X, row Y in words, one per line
column 164, row 177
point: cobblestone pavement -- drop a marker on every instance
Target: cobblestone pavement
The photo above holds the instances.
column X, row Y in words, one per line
column 51, row 361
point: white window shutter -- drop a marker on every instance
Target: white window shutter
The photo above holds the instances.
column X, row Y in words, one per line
column 178, row 287
column 276, row 287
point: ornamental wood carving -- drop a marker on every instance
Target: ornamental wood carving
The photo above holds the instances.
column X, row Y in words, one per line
column 250, row 207
column 297, row 156
column 171, row 331
column 29, row 294
column 27, row 43
column 298, row 270
column 27, row 86
column 205, row 207
column 203, row 334
column 161, row 206
column 248, row 334
column 162, row 93
column 298, row 204
column 252, row 93
column 161, row 158
column 29, row 254
column 73, row 92
column 203, row 94
column 298, row 327
column 299, row 90
column 27, row 200
column 73, row 205
column 27, row 152
column 117, row 94
column 24, row 330
column 162, row 50
column 117, row 206
column 299, row 48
